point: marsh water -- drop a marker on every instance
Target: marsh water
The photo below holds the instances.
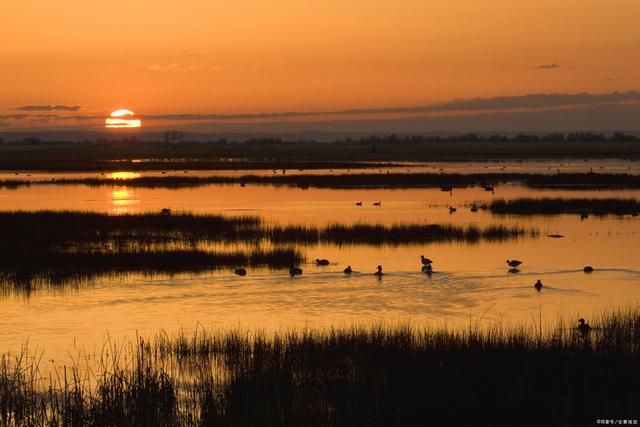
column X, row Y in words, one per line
column 470, row 283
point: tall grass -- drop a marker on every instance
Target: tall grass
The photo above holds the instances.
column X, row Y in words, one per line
column 58, row 230
column 360, row 376
column 360, row 180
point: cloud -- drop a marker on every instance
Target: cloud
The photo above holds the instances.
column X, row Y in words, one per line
column 475, row 105
column 57, row 107
column 551, row 66
column 175, row 67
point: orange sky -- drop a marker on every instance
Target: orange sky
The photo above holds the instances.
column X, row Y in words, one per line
column 157, row 56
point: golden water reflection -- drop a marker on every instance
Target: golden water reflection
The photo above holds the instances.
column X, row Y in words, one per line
column 124, row 175
column 123, row 200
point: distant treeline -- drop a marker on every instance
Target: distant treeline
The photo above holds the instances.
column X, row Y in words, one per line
column 130, row 153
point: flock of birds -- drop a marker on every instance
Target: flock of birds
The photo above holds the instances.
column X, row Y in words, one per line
column 427, row 267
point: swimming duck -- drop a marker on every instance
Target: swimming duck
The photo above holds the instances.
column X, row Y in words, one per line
column 295, row 271
column 322, row 261
column 538, row 285
column 588, row 269
column 379, row 273
column 347, row 270
column 514, row 263
column 377, row 204
column 241, row 271
column 358, row 203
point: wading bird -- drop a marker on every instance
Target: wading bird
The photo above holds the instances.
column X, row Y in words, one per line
column 347, row 270
column 514, row 263
column 588, row 269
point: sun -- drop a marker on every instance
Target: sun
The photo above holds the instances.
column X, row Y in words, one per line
column 118, row 119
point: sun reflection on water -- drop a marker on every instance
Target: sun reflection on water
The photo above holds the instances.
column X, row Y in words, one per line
column 124, row 175
column 122, row 200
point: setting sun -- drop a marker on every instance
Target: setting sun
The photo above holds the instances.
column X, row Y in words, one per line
column 115, row 120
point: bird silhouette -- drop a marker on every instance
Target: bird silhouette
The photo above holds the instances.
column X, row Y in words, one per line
column 538, row 285
column 379, row 273
column 514, row 263
column 241, row 271
column 347, row 270
column 322, row 261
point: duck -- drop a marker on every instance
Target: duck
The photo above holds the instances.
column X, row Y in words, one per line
column 452, row 209
column 538, row 285
column 377, row 203
column 241, row 271
column 347, row 270
column 474, row 208
column 588, row 269
column 425, row 261
column 583, row 327
column 514, row 263
column 322, row 261
column 358, row 203
column 378, row 273
column 294, row 271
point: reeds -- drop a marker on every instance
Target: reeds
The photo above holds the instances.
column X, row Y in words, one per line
column 555, row 206
column 23, row 231
column 373, row 375
column 391, row 179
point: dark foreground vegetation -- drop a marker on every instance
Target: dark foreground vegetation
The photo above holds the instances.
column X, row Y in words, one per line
column 362, row 376
column 555, row 206
column 103, row 153
column 390, row 179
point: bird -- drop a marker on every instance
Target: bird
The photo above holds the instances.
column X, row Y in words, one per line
column 379, row 273
column 427, row 269
column 514, row 263
column 358, row 203
column 294, row 271
column 322, row 261
column 588, row 269
column 583, row 328
column 584, row 215
column 241, row 271
column 538, row 285
column 377, row 203
column 425, row 261
column 347, row 270
column 452, row 209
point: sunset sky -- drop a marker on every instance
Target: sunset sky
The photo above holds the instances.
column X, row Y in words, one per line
column 160, row 57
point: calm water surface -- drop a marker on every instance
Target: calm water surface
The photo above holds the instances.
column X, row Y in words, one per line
column 470, row 282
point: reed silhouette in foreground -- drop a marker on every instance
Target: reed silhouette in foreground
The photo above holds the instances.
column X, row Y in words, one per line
column 555, row 206
column 359, row 376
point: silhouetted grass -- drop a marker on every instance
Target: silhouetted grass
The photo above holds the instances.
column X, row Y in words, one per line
column 360, row 376
column 60, row 230
column 554, row 206
column 20, row 271
column 362, row 180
